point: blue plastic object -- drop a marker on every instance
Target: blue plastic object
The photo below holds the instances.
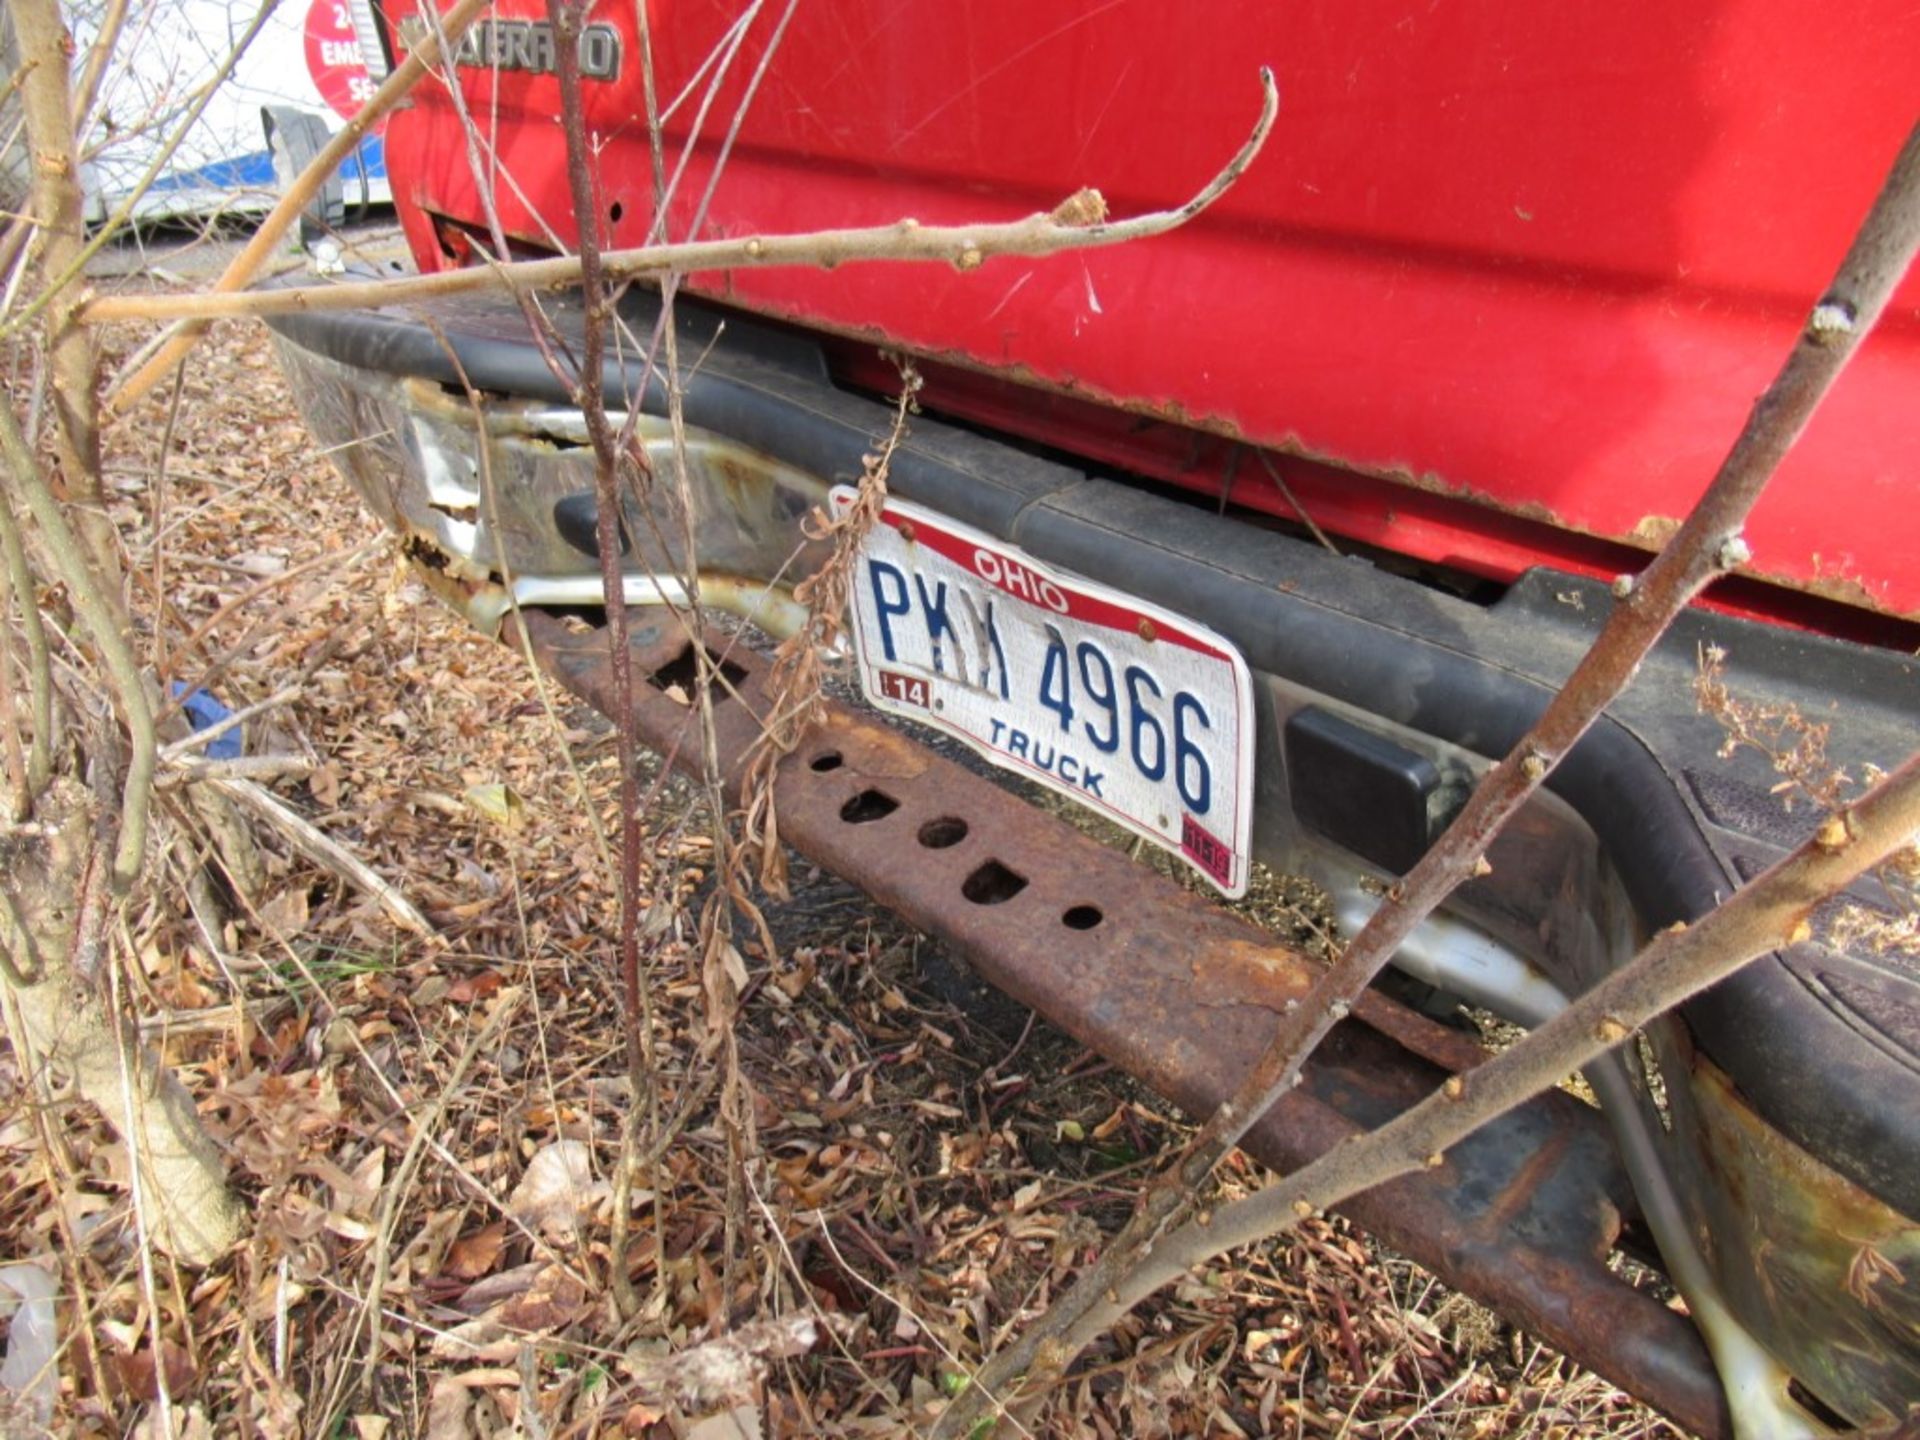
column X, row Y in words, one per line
column 203, row 712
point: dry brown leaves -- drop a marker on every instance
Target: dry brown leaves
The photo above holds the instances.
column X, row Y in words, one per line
column 1795, row 747
column 425, row 1132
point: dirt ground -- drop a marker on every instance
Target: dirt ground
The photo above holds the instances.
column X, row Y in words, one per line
column 425, row 1127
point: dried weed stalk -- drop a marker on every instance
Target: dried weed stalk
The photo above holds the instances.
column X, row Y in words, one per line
column 1793, row 745
column 794, row 680
column 1796, row 748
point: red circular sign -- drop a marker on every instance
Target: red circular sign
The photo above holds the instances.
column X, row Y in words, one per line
column 334, row 60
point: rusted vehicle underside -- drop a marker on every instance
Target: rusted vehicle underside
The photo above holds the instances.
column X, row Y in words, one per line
column 1758, row 1181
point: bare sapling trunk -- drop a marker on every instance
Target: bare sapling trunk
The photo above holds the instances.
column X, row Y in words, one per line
column 77, row 1047
column 1708, row 545
column 611, row 459
column 69, row 857
column 59, row 235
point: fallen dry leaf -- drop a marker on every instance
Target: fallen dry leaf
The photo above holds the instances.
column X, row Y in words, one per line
column 469, row 988
column 137, row 1371
column 286, row 913
column 499, row 803
column 447, row 1406
column 472, row 1256
column 558, row 1188
column 724, row 1371
column 742, row 1422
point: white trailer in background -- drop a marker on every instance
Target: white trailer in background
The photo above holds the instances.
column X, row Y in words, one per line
column 300, row 79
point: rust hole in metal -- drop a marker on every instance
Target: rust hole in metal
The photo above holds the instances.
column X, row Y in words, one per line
column 465, row 514
column 826, row 760
column 992, row 884
column 939, row 834
column 1082, row 917
column 683, row 673
column 868, row 805
column 423, row 552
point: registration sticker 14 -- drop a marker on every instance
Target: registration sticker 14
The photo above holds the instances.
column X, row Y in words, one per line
column 1138, row 713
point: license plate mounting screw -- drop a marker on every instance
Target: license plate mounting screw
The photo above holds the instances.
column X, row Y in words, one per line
column 1147, row 631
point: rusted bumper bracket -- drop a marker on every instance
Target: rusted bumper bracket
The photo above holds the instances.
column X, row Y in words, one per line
column 1182, row 994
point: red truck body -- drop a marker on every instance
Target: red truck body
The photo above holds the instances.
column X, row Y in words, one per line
column 1501, row 289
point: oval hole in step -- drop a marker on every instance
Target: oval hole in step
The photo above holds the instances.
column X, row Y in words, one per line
column 992, row 884
column 939, row 834
column 867, row 806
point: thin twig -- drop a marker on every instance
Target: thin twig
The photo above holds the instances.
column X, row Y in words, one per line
column 94, row 72
column 1286, row 493
column 239, row 717
column 324, row 850
column 394, row 1194
column 1768, row 912
column 623, row 1293
column 342, row 563
column 187, row 771
column 567, row 19
column 159, row 489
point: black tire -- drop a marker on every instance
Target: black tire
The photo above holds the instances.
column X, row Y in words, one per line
column 294, row 137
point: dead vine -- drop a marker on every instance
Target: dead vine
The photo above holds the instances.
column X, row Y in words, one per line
column 799, row 663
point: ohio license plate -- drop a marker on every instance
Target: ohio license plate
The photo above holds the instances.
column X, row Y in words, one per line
column 1127, row 708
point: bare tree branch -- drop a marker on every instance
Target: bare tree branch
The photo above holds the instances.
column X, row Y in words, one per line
column 1076, row 224
column 608, row 455
column 106, row 620
column 76, row 264
column 323, row 850
column 13, row 554
column 1768, row 912
column 105, row 41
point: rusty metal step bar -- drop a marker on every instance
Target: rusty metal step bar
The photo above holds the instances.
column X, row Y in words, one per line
column 1181, row 993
